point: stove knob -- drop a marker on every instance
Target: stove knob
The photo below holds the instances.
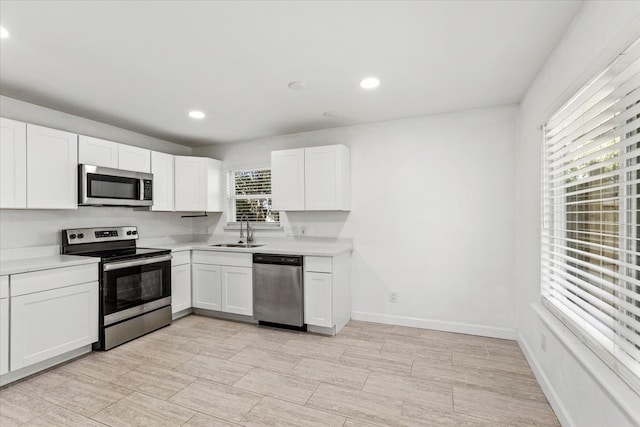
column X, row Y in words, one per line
column 129, row 233
column 72, row 236
column 80, row 236
column 134, row 232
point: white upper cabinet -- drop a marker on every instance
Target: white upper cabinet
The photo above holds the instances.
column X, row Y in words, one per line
column 52, row 168
column 327, row 178
column 100, row 152
column 13, row 164
column 287, row 180
column 198, row 184
column 312, row 179
column 134, row 158
column 162, row 168
column 97, row 152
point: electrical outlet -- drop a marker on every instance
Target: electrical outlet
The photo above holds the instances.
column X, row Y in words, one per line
column 543, row 342
column 393, row 297
column 303, row 230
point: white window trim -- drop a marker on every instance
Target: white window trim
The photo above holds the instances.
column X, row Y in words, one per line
column 256, row 225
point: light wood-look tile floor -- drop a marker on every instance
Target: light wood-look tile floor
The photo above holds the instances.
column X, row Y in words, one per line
column 207, row 372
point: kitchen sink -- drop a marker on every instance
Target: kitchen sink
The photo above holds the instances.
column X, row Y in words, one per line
column 236, row 245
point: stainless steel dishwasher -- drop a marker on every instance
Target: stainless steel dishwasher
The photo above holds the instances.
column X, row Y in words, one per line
column 278, row 298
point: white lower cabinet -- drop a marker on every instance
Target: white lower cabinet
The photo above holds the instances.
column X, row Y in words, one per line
column 4, row 324
column 52, row 312
column 206, row 286
column 223, row 281
column 327, row 292
column 318, row 299
column 49, row 323
column 180, row 288
column 181, row 281
column 237, row 290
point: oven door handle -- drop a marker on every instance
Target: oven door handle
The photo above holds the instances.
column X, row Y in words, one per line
column 135, row 263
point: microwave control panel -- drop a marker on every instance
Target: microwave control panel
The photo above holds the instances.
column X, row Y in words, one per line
column 148, row 189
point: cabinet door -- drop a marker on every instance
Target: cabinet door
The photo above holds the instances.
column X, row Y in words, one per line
column 206, row 286
column 134, row 158
column 288, row 179
column 4, row 336
column 4, row 324
column 318, row 299
column 47, row 324
column 324, row 177
column 237, row 290
column 162, row 169
column 13, row 164
column 52, row 168
column 97, row 152
column 180, row 287
column 214, row 185
column 190, row 183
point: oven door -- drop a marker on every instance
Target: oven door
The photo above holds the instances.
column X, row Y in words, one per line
column 134, row 287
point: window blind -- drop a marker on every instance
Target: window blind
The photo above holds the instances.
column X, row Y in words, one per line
column 590, row 261
column 249, row 196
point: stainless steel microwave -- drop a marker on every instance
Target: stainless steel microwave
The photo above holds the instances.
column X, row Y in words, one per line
column 101, row 186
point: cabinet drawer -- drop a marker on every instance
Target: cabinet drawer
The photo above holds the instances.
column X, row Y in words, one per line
column 223, row 258
column 319, row 264
column 44, row 280
column 180, row 258
column 4, row 287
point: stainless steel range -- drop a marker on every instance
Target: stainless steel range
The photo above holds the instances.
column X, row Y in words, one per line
column 135, row 283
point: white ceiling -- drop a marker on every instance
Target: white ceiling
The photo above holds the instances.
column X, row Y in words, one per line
column 142, row 65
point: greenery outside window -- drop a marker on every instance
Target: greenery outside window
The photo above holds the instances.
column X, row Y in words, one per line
column 249, row 197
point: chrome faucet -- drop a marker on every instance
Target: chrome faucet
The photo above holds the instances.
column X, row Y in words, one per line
column 249, row 232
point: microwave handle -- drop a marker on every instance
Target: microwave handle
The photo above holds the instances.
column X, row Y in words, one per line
column 141, row 189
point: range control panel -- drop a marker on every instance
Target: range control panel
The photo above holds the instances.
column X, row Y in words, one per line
column 106, row 233
column 93, row 235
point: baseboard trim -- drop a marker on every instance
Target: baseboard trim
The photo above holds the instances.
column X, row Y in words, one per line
column 43, row 365
column 439, row 325
column 550, row 393
column 180, row 314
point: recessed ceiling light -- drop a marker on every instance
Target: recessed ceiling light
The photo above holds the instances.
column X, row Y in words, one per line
column 4, row 33
column 297, row 85
column 369, row 83
column 329, row 114
column 196, row 114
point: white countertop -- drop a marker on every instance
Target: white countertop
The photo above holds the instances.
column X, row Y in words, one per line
column 36, row 259
column 25, row 265
column 286, row 248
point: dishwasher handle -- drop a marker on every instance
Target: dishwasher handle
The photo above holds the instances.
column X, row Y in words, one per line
column 295, row 260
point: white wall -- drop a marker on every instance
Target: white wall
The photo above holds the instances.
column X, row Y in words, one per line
column 600, row 31
column 25, row 228
column 37, row 115
column 432, row 216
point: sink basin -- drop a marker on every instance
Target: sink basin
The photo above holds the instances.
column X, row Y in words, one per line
column 236, row 245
